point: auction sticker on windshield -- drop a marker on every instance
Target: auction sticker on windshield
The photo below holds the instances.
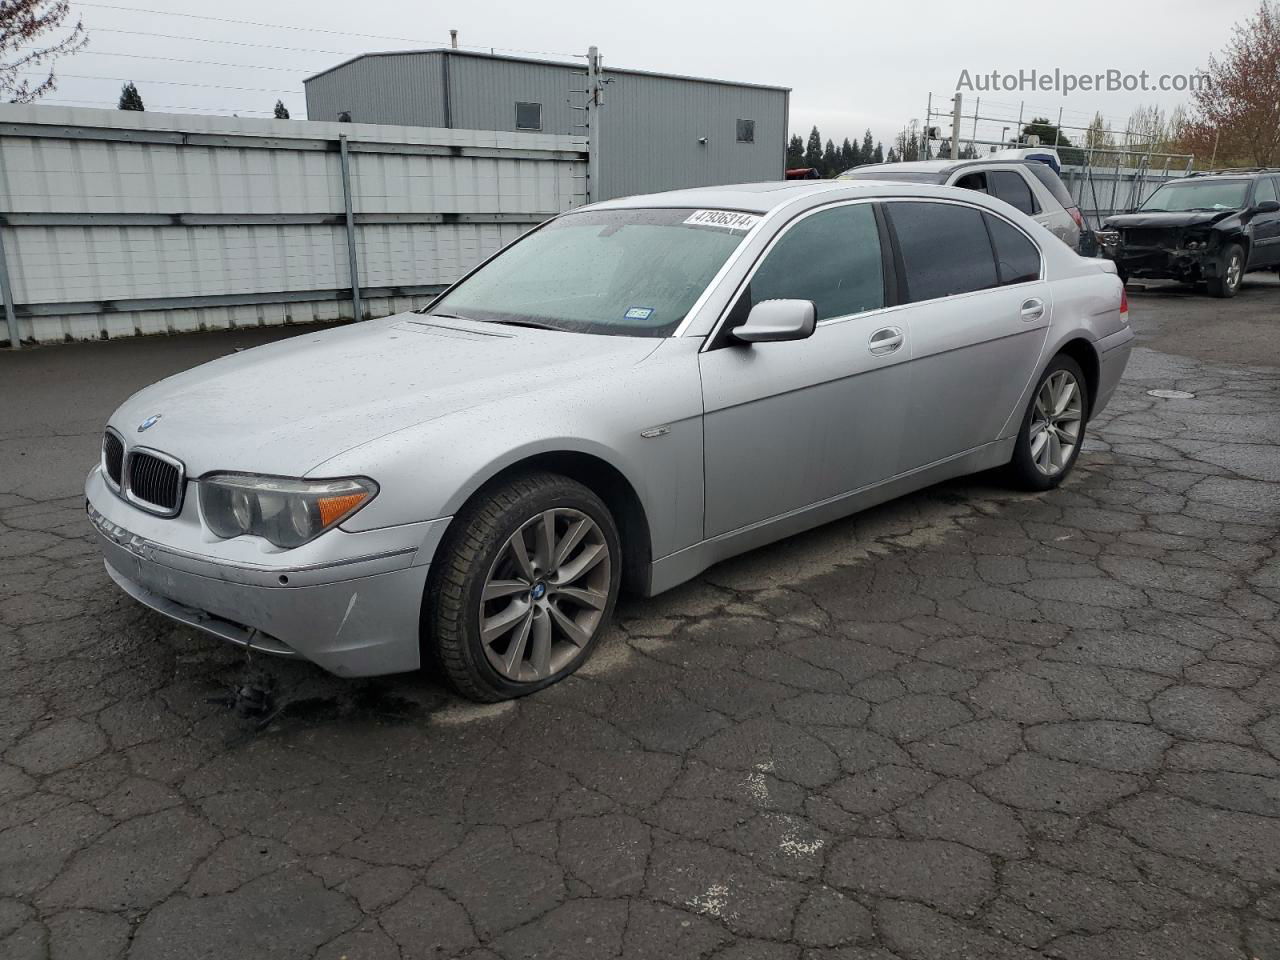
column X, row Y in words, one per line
column 727, row 219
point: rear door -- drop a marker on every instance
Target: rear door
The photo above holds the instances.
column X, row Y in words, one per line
column 790, row 424
column 979, row 313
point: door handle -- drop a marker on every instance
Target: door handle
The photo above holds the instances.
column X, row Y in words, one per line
column 1032, row 309
column 885, row 341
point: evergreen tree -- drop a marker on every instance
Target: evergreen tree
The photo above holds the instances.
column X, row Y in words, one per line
column 813, row 150
column 130, row 99
column 878, row 156
column 282, row 112
column 795, row 152
column 848, row 155
column 892, row 156
column 1051, row 136
column 868, row 147
column 830, row 160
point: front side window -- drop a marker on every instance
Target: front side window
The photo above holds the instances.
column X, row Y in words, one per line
column 1208, row 196
column 1017, row 258
column 831, row 257
column 1266, row 190
column 634, row 272
column 945, row 249
column 528, row 116
column 1012, row 189
column 746, row 131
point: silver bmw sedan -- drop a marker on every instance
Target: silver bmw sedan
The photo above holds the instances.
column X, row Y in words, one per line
column 626, row 395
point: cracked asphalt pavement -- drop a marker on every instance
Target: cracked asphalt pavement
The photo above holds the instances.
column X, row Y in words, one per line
column 968, row 724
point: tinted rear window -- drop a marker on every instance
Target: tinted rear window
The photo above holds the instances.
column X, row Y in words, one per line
column 1012, row 189
column 1017, row 257
column 1044, row 173
column 945, row 249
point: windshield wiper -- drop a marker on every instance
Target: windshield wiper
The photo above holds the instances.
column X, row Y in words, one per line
column 535, row 324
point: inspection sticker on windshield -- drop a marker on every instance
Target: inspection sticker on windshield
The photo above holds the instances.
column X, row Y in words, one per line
column 726, row 219
column 638, row 313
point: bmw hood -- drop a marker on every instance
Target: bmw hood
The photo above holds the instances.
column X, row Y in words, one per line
column 1178, row 221
column 288, row 406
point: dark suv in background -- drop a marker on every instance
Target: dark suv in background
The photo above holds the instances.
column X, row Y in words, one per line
column 1209, row 227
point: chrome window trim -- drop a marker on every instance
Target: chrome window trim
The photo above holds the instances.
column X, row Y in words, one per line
column 715, row 330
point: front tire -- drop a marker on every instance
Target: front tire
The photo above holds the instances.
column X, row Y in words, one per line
column 1230, row 272
column 523, row 587
column 1053, row 425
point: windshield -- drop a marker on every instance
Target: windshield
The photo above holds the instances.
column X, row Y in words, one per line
column 629, row 273
column 1206, row 195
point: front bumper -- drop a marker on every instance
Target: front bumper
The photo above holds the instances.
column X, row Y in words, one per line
column 1165, row 263
column 352, row 607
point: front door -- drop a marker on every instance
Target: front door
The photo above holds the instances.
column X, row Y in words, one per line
column 787, row 425
column 1265, row 227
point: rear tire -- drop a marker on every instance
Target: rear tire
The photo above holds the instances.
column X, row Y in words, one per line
column 1057, row 412
column 1231, row 266
column 522, row 588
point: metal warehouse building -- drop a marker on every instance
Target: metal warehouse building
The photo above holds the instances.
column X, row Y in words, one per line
column 654, row 131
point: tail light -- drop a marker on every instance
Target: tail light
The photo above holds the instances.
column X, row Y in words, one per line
column 1124, row 304
column 1075, row 215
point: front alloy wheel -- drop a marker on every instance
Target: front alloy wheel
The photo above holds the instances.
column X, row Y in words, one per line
column 545, row 595
column 1230, row 272
column 522, row 587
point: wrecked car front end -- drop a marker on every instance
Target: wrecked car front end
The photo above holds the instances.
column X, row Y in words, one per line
column 1188, row 253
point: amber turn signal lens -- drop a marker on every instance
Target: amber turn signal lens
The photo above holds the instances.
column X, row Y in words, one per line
column 334, row 508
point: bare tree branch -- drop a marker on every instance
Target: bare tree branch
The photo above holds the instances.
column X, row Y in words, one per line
column 23, row 24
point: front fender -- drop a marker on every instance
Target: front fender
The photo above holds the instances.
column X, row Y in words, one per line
column 428, row 471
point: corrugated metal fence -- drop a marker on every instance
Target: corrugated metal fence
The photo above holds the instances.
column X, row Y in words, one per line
column 117, row 223
column 1100, row 191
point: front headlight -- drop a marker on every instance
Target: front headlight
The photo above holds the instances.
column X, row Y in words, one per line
column 285, row 512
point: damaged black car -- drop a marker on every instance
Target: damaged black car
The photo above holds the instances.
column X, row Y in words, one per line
column 1207, row 228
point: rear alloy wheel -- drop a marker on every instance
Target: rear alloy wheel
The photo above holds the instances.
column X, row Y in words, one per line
column 1052, row 427
column 526, row 586
column 1230, row 272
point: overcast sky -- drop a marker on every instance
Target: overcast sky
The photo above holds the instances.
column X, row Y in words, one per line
column 851, row 65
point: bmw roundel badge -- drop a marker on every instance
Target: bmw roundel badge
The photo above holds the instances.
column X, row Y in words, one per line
column 148, row 423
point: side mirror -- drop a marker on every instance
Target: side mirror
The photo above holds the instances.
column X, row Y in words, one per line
column 775, row 320
column 1266, row 206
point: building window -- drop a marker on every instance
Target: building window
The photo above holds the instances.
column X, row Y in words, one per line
column 528, row 116
column 746, row 131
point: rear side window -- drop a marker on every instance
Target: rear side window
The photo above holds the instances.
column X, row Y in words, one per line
column 973, row 181
column 1012, row 189
column 1017, row 258
column 1044, row 173
column 832, row 258
column 944, row 247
